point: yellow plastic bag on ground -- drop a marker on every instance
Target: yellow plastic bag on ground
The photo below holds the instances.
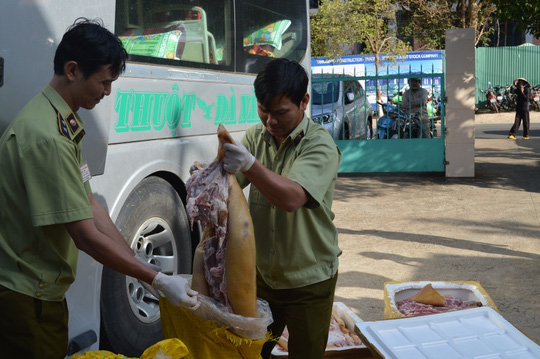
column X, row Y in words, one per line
column 166, row 349
column 172, row 348
column 208, row 338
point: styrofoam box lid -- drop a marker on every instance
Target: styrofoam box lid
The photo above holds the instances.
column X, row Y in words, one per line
column 349, row 318
column 472, row 333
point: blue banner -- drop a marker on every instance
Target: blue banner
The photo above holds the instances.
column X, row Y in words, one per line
column 427, row 61
column 418, row 62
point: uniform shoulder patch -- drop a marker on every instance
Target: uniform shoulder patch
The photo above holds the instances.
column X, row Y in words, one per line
column 298, row 138
column 72, row 123
column 62, row 127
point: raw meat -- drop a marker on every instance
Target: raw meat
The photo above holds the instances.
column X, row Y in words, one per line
column 224, row 263
column 338, row 336
column 411, row 307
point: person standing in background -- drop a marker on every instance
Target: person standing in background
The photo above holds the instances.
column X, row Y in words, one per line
column 414, row 102
column 523, row 93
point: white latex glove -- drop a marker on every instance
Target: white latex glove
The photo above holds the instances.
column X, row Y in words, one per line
column 176, row 289
column 147, row 286
column 237, row 158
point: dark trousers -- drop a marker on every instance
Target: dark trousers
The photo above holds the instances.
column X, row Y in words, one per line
column 521, row 115
column 31, row 328
column 306, row 312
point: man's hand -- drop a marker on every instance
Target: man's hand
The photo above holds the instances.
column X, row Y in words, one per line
column 237, row 158
column 176, row 289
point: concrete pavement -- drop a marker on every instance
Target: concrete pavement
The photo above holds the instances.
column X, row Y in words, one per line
column 409, row 227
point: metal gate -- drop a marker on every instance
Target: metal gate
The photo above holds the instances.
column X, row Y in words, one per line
column 353, row 118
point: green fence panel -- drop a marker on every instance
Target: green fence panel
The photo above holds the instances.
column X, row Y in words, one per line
column 502, row 65
column 403, row 155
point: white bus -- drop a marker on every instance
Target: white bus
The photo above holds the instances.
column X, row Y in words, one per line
column 191, row 67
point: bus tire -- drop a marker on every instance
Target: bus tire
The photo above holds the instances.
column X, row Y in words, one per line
column 154, row 222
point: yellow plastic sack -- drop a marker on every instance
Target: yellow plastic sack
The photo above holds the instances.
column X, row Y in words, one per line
column 205, row 338
column 166, row 349
column 173, row 348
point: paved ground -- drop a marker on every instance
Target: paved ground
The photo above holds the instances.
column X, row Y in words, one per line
column 427, row 227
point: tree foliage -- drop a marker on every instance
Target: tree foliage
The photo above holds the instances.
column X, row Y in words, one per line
column 427, row 20
column 340, row 25
column 525, row 13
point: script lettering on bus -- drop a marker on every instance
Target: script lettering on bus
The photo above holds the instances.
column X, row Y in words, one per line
column 145, row 111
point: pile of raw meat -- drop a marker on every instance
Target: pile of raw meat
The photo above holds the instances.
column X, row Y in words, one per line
column 338, row 337
column 411, row 307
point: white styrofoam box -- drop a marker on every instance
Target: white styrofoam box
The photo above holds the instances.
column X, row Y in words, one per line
column 464, row 290
column 471, row 333
column 350, row 319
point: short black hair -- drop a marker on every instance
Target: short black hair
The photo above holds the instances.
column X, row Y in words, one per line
column 92, row 46
column 281, row 77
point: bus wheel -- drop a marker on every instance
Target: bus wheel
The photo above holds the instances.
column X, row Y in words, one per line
column 154, row 222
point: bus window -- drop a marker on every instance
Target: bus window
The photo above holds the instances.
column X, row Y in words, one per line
column 271, row 29
column 231, row 35
column 173, row 32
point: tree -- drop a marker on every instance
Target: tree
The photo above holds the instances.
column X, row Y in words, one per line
column 340, row 25
column 427, row 20
column 525, row 13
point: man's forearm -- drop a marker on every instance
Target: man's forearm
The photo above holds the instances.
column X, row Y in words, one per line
column 112, row 254
column 278, row 190
column 105, row 225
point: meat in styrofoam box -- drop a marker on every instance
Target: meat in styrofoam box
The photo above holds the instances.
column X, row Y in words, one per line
column 350, row 319
column 465, row 290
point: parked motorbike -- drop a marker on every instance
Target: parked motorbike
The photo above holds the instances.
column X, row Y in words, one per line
column 412, row 126
column 396, row 124
column 386, row 124
column 408, row 126
column 499, row 93
column 491, row 98
column 509, row 98
column 535, row 98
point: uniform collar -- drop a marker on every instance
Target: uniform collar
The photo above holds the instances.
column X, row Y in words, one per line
column 295, row 136
column 70, row 124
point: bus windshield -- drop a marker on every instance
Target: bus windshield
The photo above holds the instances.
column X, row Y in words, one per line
column 228, row 35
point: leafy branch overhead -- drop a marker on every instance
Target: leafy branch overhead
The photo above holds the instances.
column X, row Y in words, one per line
column 340, row 25
column 525, row 13
column 427, row 20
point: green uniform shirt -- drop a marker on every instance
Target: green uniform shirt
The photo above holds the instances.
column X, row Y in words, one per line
column 299, row 248
column 41, row 187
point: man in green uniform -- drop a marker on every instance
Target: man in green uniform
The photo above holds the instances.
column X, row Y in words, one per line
column 48, row 211
column 292, row 164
